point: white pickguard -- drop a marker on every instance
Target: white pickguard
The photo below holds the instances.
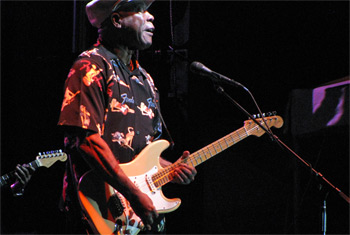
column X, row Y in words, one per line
column 146, row 186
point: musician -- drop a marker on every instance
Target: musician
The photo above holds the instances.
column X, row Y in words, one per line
column 110, row 110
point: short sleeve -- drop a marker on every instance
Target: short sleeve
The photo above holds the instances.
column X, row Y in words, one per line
column 84, row 103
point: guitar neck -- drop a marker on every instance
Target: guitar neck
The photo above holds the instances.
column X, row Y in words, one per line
column 165, row 175
column 10, row 177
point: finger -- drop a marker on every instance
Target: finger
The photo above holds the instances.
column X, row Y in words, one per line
column 25, row 171
column 190, row 170
column 188, row 173
column 177, row 178
column 185, row 154
column 29, row 167
column 183, row 177
column 32, row 168
column 155, row 213
column 20, row 171
column 148, row 222
column 19, row 178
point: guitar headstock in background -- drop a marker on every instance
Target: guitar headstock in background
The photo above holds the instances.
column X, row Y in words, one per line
column 271, row 119
column 47, row 159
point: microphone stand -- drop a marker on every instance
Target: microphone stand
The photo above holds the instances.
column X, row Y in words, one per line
column 275, row 138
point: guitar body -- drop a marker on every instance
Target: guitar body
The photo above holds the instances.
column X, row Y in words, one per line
column 108, row 211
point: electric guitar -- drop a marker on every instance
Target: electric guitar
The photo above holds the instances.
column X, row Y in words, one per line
column 46, row 159
column 108, row 212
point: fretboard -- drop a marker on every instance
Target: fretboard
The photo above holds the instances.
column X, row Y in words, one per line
column 165, row 175
column 10, row 177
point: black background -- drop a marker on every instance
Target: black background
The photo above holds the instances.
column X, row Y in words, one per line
column 270, row 47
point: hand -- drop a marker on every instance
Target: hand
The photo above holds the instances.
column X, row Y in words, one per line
column 23, row 174
column 144, row 208
column 184, row 173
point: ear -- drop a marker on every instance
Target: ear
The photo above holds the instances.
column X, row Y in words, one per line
column 115, row 18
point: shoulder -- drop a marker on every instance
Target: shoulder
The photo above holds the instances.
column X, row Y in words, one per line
column 95, row 59
column 99, row 56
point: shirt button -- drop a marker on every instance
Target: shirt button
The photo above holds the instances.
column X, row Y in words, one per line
column 137, row 132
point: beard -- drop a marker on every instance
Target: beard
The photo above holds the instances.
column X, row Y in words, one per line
column 126, row 37
column 135, row 40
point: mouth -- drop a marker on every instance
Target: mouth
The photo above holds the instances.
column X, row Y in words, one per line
column 150, row 30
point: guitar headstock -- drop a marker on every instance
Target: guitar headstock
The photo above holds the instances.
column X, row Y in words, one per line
column 47, row 159
column 271, row 119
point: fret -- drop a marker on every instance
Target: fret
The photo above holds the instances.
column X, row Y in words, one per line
column 245, row 131
column 201, row 157
column 238, row 135
column 213, row 146
column 209, row 152
column 196, row 158
column 233, row 140
column 205, row 155
column 220, row 146
column 216, row 147
column 226, row 142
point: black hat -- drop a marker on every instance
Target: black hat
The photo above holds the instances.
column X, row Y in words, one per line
column 98, row 10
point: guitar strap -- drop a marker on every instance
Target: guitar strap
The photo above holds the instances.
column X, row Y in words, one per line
column 71, row 175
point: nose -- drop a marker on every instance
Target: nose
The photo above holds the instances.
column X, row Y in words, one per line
column 148, row 16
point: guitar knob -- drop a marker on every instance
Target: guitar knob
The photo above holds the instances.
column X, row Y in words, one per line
column 132, row 222
column 141, row 226
column 118, row 226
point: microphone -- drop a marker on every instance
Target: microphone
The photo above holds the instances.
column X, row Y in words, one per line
column 199, row 68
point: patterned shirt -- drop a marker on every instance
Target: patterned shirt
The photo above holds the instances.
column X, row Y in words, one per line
column 102, row 95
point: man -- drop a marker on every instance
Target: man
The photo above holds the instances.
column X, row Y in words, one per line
column 110, row 109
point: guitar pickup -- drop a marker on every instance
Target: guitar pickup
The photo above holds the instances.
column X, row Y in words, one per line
column 150, row 184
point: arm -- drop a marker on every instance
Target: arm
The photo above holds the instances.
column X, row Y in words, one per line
column 99, row 155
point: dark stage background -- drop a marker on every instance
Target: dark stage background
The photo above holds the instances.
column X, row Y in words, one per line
column 273, row 48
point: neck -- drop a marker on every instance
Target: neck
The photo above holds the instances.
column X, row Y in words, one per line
column 124, row 54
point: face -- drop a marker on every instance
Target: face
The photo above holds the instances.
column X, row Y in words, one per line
column 138, row 27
